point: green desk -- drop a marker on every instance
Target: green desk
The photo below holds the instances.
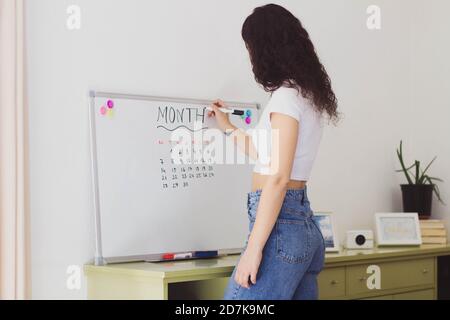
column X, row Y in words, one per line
column 406, row 273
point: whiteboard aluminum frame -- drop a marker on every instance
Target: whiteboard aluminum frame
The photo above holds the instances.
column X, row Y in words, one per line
column 99, row 259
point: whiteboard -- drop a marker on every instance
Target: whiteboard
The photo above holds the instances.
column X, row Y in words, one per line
column 146, row 204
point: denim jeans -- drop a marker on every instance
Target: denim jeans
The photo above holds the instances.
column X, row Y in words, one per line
column 292, row 257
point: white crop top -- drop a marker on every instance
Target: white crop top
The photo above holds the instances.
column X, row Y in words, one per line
column 290, row 102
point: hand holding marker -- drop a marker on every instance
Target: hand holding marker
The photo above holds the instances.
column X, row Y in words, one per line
column 245, row 115
column 228, row 110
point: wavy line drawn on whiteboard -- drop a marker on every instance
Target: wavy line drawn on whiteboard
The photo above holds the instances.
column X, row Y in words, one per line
column 182, row 126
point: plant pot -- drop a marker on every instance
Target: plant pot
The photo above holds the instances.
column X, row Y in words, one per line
column 417, row 198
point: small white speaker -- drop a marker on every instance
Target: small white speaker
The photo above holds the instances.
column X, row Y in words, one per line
column 359, row 239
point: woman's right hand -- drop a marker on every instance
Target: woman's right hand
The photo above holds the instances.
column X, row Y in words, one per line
column 223, row 119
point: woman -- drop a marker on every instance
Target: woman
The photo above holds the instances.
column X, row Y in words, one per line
column 284, row 252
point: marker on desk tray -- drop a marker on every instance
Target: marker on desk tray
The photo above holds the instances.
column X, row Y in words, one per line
column 206, row 254
column 168, row 256
column 177, row 256
column 185, row 255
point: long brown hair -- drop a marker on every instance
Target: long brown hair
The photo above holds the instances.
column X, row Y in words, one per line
column 282, row 54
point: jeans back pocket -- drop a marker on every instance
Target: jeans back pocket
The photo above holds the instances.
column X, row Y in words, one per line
column 293, row 240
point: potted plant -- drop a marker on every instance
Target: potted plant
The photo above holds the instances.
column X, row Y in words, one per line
column 418, row 193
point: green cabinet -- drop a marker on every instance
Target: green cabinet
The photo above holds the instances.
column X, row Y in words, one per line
column 332, row 283
column 428, row 294
column 393, row 275
column 406, row 273
column 416, row 295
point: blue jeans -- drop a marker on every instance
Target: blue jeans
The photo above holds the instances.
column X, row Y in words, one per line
column 292, row 257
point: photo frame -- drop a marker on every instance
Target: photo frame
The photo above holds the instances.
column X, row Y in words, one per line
column 397, row 229
column 325, row 222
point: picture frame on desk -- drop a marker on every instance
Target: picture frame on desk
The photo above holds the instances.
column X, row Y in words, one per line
column 397, row 229
column 325, row 222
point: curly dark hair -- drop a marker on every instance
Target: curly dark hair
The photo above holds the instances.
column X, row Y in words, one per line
column 282, row 54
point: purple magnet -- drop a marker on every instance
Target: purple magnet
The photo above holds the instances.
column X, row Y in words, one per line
column 103, row 110
column 248, row 120
column 110, row 104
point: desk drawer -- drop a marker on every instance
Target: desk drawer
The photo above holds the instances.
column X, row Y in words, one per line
column 416, row 295
column 332, row 283
column 394, row 275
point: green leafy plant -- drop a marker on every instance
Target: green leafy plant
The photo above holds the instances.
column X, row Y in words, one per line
column 419, row 176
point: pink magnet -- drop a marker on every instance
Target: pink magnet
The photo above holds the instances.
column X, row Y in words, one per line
column 110, row 104
column 248, row 120
column 103, row 110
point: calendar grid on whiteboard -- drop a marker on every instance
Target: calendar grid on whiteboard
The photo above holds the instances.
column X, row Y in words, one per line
column 100, row 256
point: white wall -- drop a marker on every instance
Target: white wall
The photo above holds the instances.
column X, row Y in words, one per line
column 430, row 93
column 194, row 49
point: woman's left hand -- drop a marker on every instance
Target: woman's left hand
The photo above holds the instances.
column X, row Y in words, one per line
column 248, row 267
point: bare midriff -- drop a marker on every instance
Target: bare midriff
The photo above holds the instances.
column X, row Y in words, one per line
column 259, row 180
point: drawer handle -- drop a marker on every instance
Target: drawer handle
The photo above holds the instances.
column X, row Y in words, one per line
column 334, row 282
column 362, row 279
column 425, row 271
